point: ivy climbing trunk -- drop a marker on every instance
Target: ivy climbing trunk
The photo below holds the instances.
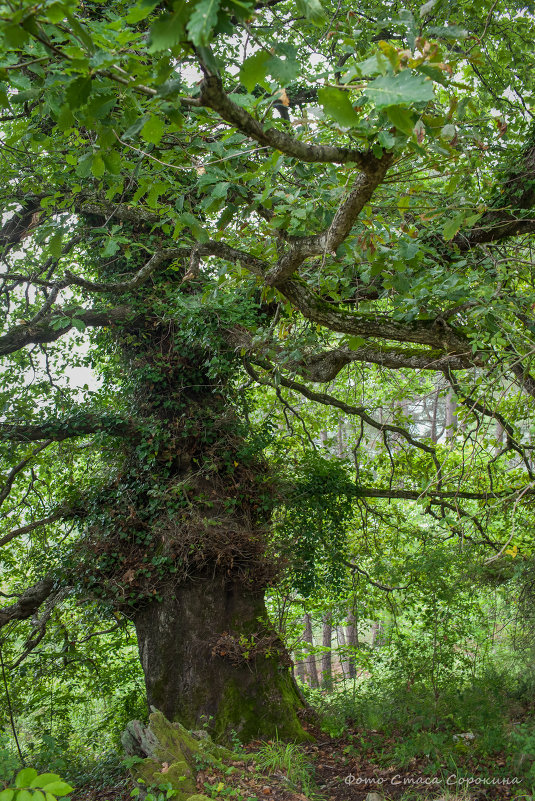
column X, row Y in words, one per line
column 179, row 541
column 210, row 658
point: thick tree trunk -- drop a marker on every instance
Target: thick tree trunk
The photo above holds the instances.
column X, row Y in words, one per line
column 179, row 539
column 210, row 657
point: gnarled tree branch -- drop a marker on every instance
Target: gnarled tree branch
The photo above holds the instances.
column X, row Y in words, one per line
column 327, row 241
column 60, row 514
column 214, row 96
column 28, row 603
column 58, row 430
column 42, row 331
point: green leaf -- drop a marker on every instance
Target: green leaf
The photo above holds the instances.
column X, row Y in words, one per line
column 84, row 165
column 452, row 226
column 55, row 12
column 253, row 70
column 427, row 7
column 404, row 88
column 78, row 92
column 153, row 130
column 7, row 795
column 337, row 105
column 375, row 65
column 111, row 248
column 59, row 788
column 202, row 21
column 386, row 140
column 208, row 58
column 65, row 118
column 25, row 777
column 113, row 162
column 58, row 323
column 135, row 128
column 24, row 795
column 24, row 97
column 15, row 36
column 313, row 11
column 243, row 10
column 282, row 70
column 354, row 343
column 98, row 168
column 219, row 190
column 100, row 106
column 141, row 11
column 55, row 246
column 193, row 224
column 80, row 326
column 44, row 779
column 404, row 203
column 448, row 132
column 402, row 118
column 80, row 32
column 167, row 31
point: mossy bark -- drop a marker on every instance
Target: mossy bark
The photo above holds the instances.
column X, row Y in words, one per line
column 210, row 659
column 170, row 755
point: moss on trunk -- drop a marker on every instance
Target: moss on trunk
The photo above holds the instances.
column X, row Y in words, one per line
column 210, row 659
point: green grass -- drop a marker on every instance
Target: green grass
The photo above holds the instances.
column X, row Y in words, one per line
column 287, row 758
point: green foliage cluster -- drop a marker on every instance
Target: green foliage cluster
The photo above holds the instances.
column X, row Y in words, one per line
column 318, row 510
column 30, row 785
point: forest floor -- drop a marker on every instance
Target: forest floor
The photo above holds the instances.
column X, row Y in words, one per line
column 346, row 770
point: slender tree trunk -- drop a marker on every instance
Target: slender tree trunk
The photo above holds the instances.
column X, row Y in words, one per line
column 434, row 427
column 310, row 661
column 300, row 669
column 352, row 642
column 344, row 664
column 376, row 635
column 451, row 414
column 340, row 438
column 499, row 432
column 326, row 657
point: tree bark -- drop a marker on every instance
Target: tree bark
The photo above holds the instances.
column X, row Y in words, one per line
column 211, row 658
column 376, row 635
column 310, row 661
column 451, row 415
column 352, row 643
column 499, row 432
column 326, row 657
column 300, row 669
column 434, row 427
column 344, row 664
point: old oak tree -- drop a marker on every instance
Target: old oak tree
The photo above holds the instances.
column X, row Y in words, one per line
column 201, row 197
